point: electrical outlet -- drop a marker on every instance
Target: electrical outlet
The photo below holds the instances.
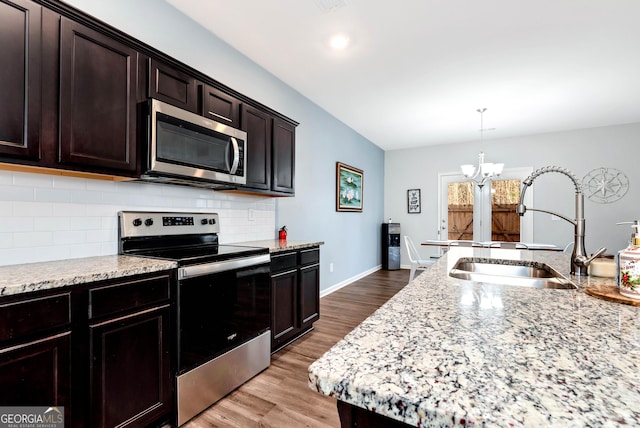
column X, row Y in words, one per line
column 330, row 267
column 250, row 215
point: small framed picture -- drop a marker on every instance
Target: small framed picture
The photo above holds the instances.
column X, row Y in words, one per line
column 413, row 201
column 349, row 188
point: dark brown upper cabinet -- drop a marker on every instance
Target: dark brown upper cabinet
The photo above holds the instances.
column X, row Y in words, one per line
column 98, row 95
column 20, row 82
column 284, row 157
column 220, row 106
column 257, row 124
column 73, row 91
column 172, row 86
column 270, row 152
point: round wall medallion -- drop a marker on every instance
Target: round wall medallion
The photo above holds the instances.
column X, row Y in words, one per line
column 605, row 185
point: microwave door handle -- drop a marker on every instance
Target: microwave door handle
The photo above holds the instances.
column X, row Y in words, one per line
column 236, row 156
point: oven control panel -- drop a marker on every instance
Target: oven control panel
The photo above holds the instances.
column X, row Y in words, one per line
column 148, row 223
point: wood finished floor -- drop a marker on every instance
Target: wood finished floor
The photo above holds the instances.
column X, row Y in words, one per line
column 279, row 397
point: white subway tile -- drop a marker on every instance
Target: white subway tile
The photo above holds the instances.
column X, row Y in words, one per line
column 50, row 223
column 16, row 224
column 67, row 237
column 6, row 240
column 16, row 256
column 101, row 185
column 32, row 239
column 85, row 250
column 86, row 223
column 108, row 248
column 69, row 183
column 16, row 193
column 70, row 210
column 6, row 208
column 32, row 209
column 43, row 254
column 32, row 180
column 100, row 235
column 86, row 197
column 6, row 178
column 52, row 195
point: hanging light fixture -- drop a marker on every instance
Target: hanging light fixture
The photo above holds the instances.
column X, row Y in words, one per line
column 486, row 170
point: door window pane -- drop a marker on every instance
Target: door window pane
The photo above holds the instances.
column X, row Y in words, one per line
column 505, row 221
column 460, row 201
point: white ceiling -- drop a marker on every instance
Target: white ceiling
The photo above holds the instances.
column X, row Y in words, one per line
column 417, row 70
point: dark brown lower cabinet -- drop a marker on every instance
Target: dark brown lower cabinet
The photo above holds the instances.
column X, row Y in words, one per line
column 295, row 294
column 130, row 370
column 284, row 308
column 35, row 350
column 101, row 350
column 36, row 373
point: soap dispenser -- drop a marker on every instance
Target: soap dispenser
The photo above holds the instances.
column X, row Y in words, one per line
column 628, row 260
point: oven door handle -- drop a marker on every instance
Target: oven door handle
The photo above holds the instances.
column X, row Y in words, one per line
column 216, row 267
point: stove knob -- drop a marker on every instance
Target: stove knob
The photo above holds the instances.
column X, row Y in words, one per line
column 203, row 221
column 137, row 222
column 212, row 221
column 148, row 222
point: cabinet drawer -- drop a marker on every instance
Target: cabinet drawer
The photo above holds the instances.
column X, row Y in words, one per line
column 310, row 256
column 282, row 262
column 129, row 295
column 34, row 315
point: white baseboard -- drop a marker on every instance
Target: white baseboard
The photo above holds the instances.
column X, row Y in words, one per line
column 346, row 282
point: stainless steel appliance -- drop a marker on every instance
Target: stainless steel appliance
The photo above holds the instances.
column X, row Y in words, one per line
column 185, row 148
column 222, row 302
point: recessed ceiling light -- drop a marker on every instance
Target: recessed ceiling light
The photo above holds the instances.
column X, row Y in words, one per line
column 339, row 41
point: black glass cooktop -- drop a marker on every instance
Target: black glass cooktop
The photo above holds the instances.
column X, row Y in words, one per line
column 201, row 254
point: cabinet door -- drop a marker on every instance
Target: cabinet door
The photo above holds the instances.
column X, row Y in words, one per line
column 257, row 125
column 98, row 81
column 36, row 373
column 283, row 306
column 130, row 373
column 221, row 107
column 309, row 295
column 283, row 165
column 20, row 84
column 172, row 86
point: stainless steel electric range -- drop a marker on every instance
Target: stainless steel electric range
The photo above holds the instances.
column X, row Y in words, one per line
column 222, row 302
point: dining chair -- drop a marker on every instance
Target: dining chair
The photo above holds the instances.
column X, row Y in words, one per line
column 417, row 263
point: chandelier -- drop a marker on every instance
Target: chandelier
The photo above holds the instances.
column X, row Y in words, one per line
column 485, row 170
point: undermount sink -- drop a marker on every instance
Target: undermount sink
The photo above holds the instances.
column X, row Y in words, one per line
column 515, row 272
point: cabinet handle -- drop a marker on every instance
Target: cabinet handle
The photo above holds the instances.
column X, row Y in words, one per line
column 283, row 273
column 22, row 345
column 135, row 314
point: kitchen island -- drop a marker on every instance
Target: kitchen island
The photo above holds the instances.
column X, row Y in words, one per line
column 446, row 352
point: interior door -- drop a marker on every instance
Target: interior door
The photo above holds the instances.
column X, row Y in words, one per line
column 472, row 213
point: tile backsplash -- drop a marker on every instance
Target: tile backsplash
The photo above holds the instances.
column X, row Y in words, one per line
column 50, row 217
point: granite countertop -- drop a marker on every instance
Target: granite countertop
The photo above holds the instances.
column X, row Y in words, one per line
column 446, row 352
column 24, row 278
column 276, row 245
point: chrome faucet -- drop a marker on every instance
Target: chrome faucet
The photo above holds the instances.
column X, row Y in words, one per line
column 579, row 260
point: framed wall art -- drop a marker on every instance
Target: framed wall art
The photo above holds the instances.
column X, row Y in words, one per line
column 413, row 201
column 349, row 188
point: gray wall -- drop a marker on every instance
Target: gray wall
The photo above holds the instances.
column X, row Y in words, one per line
column 579, row 151
column 351, row 240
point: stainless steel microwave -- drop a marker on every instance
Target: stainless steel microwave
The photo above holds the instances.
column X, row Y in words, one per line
column 185, row 148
